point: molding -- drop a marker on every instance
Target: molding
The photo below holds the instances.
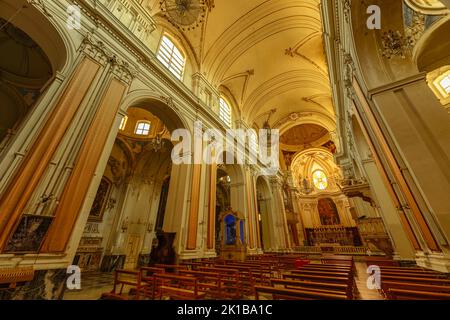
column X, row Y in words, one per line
column 396, row 85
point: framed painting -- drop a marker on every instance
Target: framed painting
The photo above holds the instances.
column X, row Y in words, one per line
column 29, row 234
column 100, row 201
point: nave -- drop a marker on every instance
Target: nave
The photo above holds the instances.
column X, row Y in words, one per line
column 270, row 277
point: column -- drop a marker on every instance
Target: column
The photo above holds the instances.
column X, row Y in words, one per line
column 29, row 174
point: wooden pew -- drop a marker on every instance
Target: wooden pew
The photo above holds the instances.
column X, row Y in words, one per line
column 402, row 294
column 171, row 268
column 178, row 287
column 132, row 279
column 336, row 259
column 208, row 282
column 417, row 274
column 326, row 266
column 318, row 278
column 345, row 280
column 330, row 273
column 381, row 261
column 148, row 288
column 230, row 281
column 247, row 276
column 417, row 280
column 409, row 269
column 290, row 294
column 415, row 287
column 192, row 265
column 313, row 286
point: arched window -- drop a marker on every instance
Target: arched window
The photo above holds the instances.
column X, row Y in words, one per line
column 123, row 123
column 225, row 112
column 320, row 180
column 171, row 57
column 142, row 128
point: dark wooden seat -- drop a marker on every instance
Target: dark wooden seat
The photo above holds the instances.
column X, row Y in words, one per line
column 313, row 286
column 291, row 294
column 230, row 281
column 325, row 272
column 132, row 279
column 178, row 287
column 386, row 279
column 416, row 286
column 402, row 294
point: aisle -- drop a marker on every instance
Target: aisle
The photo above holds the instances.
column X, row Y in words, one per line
column 361, row 283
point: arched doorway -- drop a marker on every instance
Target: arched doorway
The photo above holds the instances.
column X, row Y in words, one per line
column 141, row 173
column 230, row 197
column 24, row 71
column 31, row 52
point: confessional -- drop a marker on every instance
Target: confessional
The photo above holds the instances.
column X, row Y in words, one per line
column 232, row 236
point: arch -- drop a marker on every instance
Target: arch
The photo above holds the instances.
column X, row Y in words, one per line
column 433, row 49
column 428, row 7
column 50, row 34
column 308, row 117
column 304, row 164
column 33, row 51
column 161, row 107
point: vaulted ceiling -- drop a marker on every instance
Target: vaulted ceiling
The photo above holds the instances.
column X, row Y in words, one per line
column 269, row 55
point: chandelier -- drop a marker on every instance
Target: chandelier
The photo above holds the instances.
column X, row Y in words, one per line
column 186, row 14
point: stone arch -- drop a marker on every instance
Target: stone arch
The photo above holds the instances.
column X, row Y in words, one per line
column 433, row 49
column 34, row 51
column 162, row 107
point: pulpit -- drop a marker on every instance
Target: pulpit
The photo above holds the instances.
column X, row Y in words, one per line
column 232, row 235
